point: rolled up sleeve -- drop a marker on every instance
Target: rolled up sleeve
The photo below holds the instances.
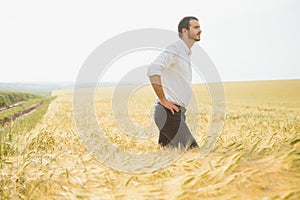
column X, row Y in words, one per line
column 161, row 62
column 154, row 69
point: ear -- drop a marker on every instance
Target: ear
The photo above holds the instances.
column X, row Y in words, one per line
column 184, row 30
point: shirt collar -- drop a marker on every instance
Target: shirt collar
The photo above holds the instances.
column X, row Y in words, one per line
column 185, row 47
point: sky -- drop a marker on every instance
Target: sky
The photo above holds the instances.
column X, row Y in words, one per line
column 48, row 41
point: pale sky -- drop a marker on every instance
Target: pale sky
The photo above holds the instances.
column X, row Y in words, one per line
column 50, row 40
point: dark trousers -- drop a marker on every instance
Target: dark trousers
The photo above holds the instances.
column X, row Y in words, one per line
column 173, row 130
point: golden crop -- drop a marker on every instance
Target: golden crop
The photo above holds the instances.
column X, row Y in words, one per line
column 256, row 157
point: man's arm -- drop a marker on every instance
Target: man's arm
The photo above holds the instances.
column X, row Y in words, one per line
column 156, row 84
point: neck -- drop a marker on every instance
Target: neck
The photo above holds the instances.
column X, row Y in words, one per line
column 189, row 42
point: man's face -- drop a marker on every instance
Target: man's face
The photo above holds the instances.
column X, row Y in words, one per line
column 195, row 31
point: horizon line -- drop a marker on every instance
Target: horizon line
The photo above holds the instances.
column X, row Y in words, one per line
column 132, row 83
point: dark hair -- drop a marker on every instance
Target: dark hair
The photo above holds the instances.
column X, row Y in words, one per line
column 185, row 23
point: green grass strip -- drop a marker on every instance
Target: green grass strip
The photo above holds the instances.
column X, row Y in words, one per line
column 9, row 134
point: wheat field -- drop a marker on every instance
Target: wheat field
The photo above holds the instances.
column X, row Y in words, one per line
column 256, row 157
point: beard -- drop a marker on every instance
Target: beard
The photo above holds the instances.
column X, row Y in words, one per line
column 196, row 38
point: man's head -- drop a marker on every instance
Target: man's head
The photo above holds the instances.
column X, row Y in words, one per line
column 189, row 28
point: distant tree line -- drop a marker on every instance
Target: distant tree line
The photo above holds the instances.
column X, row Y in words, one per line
column 8, row 98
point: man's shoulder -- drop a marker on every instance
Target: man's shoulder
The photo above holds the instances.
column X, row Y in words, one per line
column 174, row 47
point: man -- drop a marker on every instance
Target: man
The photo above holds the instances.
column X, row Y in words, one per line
column 171, row 76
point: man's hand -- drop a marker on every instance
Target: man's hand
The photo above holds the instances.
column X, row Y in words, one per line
column 172, row 106
column 156, row 84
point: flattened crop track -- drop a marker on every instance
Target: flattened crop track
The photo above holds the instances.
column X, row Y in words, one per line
column 19, row 114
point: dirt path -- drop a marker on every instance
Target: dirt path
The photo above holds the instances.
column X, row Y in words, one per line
column 19, row 114
column 4, row 109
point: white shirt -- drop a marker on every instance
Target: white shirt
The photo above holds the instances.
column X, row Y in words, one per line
column 174, row 67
